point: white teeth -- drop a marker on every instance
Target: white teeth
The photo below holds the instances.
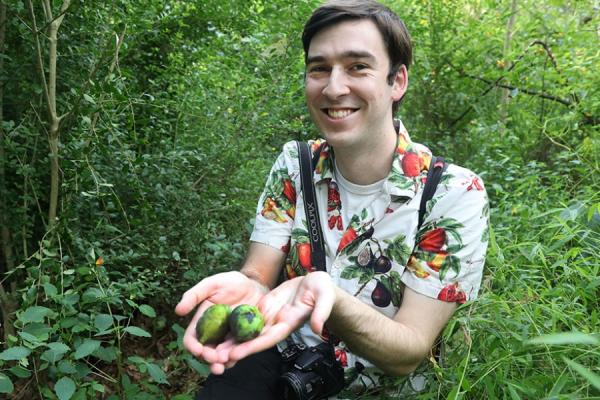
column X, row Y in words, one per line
column 339, row 114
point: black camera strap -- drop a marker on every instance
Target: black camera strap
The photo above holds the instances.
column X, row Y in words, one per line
column 311, row 209
column 434, row 175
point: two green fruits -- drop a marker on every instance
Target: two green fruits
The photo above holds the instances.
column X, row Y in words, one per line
column 245, row 322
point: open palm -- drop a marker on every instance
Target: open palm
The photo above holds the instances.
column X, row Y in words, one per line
column 285, row 309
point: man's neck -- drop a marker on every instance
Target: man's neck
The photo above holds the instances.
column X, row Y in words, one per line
column 368, row 164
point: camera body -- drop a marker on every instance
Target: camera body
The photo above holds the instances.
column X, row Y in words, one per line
column 310, row 373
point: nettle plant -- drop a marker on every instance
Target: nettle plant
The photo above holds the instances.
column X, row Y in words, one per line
column 70, row 330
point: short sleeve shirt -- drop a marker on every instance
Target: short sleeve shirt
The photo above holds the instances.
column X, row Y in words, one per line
column 376, row 250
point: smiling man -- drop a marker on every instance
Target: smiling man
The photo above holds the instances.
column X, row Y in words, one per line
column 391, row 283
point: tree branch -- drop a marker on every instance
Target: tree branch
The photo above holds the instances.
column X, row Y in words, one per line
column 496, row 83
column 531, row 92
column 40, row 58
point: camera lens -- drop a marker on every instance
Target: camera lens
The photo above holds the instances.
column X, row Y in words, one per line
column 301, row 386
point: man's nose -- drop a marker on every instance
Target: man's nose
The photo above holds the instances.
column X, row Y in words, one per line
column 337, row 84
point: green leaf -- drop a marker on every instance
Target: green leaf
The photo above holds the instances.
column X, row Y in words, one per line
column 89, row 98
column 98, row 387
column 92, row 294
column 67, row 367
column 15, row 353
column 86, row 348
column 592, row 378
column 35, row 314
column 182, row 397
column 157, row 373
column 107, row 354
column 135, row 331
column 6, row 385
column 50, row 290
column 55, row 352
column 199, row 367
column 103, row 321
column 64, row 388
column 31, row 339
column 38, row 330
column 147, row 310
column 565, row 338
column 20, row 372
column 351, row 272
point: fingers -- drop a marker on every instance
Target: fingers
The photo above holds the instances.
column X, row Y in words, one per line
column 267, row 339
column 217, row 369
column 322, row 310
column 194, row 296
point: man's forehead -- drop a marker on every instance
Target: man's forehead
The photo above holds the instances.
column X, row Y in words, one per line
column 347, row 39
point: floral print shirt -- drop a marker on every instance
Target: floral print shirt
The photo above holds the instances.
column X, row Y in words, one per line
column 373, row 253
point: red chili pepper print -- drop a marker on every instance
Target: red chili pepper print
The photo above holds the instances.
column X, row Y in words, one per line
column 433, row 240
column 289, row 191
column 475, row 184
column 342, row 357
column 334, row 207
column 304, row 256
column 348, row 237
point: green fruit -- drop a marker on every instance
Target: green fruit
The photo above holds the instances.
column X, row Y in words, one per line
column 245, row 322
column 213, row 325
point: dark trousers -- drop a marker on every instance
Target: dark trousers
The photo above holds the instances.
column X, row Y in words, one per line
column 253, row 378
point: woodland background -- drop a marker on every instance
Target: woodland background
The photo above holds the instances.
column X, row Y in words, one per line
column 135, row 138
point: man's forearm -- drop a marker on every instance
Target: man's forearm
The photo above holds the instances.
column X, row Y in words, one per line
column 263, row 265
column 392, row 346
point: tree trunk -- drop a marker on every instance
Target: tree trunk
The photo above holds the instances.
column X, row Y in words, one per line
column 507, row 42
column 49, row 85
column 54, row 119
column 7, row 305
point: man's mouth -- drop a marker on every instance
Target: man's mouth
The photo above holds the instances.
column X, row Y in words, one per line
column 339, row 113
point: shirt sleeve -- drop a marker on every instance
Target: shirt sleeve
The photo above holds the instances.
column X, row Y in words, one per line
column 276, row 207
column 449, row 253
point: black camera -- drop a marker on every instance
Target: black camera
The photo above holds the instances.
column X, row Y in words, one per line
column 310, row 373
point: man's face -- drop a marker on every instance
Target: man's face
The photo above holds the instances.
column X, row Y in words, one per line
column 347, row 92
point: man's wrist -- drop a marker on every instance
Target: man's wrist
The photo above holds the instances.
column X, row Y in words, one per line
column 256, row 280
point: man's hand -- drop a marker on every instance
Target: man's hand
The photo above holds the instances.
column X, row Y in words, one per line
column 285, row 309
column 231, row 288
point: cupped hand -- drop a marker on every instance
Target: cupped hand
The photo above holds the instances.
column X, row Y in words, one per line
column 286, row 308
column 231, row 288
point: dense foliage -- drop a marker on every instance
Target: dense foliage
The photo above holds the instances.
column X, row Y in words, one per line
column 133, row 152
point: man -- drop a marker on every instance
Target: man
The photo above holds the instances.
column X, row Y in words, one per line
column 390, row 287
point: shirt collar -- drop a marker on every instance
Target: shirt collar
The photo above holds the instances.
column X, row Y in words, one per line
column 409, row 166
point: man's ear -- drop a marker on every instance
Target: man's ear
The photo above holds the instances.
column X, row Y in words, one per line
column 400, row 83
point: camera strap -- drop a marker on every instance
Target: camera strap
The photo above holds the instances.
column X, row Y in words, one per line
column 311, row 209
column 434, row 175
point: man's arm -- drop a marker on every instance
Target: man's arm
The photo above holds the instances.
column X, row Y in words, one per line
column 397, row 346
column 263, row 264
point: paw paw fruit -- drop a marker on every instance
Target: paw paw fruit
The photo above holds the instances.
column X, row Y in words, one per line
column 213, row 326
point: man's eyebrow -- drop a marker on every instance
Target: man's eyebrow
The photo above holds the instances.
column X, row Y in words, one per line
column 346, row 54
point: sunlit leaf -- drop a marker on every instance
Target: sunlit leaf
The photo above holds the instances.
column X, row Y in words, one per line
column 564, row 338
column 135, row 331
column 64, row 388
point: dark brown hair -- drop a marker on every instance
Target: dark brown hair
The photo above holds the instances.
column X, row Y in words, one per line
column 395, row 35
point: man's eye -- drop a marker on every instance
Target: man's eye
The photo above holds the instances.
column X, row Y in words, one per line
column 359, row 67
column 318, row 68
